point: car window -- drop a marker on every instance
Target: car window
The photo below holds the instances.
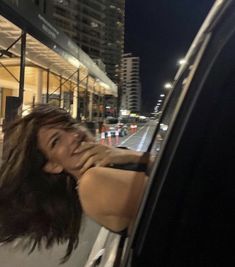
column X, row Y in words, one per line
column 178, row 91
column 169, row 112
column 189, row 209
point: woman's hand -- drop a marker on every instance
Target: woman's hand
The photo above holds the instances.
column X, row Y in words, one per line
column 92, row 154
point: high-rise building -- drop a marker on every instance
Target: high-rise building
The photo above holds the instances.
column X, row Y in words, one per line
column 84, row 22
column 91, row 27
column 97, row 26
column 114, row 46
column 44, row 6
column 131, row 87
column 64, row 14
column 114, row 37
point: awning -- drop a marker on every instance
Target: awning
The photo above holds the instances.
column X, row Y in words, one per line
column 51, row 56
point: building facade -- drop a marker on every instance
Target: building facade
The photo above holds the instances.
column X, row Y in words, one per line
column 97, row 26
column 114, row 38
column 131, row 87
column 45, row 7
column 40, row 64
column 113, row 48
column 83, row 21
column 64, row 14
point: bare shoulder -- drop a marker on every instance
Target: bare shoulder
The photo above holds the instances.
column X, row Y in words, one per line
column 99, row 182
column 102, row 178
column 91, row 180
column 111, row 196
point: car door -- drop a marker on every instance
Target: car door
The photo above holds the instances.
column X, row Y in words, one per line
column 187, row 217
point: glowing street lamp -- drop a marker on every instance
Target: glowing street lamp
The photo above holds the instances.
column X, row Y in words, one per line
column 182, row 61
column 162, row 95
column 168, row 86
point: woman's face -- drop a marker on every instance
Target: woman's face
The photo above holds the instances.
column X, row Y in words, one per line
column 60, row 148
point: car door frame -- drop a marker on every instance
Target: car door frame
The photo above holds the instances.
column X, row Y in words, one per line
column 136, row 241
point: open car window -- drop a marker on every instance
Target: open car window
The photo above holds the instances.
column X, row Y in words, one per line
column 188, row 209
column 167, row 112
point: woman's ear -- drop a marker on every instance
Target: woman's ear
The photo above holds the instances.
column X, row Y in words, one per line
column 52, row 167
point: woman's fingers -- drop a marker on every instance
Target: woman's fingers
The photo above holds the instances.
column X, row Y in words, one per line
column 89, row 151
column 90, row 154
column 91, row 162
column 84, row 157
column 84, row 146
column 92, row 148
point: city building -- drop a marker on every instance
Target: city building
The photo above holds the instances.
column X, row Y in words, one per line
column 97, row 26
column 131, row 87
column 83, row 21
column 114, row 38
column 113, row 49
column 40, row 64
column 45, row 7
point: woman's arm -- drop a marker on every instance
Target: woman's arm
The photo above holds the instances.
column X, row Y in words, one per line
column 111, row 197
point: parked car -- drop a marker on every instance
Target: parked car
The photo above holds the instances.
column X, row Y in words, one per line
column 116, row 130
column 122, row 129
column 187, row 215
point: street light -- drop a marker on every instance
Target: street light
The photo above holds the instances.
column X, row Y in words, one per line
column 182, row 61
column 168, row 86
column 162, row 95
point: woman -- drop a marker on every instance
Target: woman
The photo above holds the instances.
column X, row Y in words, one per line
column 53, row 171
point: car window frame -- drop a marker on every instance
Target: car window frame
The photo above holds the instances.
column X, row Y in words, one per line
column 159, row 157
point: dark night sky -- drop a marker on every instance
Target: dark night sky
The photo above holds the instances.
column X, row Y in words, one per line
column 160, row 32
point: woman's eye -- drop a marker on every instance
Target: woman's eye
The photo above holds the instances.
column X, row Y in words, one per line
column 54, row 142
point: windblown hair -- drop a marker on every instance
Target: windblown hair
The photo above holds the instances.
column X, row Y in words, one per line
column 42, row 207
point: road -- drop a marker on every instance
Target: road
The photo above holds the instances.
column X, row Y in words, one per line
column 11, row 255
column 140, row 140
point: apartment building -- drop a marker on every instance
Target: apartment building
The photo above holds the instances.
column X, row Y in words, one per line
column 131, row 86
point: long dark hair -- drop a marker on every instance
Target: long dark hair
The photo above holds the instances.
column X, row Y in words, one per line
column 39, row 206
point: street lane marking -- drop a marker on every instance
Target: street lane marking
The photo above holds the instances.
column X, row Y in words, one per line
column 140, row 146
column 123, row 142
